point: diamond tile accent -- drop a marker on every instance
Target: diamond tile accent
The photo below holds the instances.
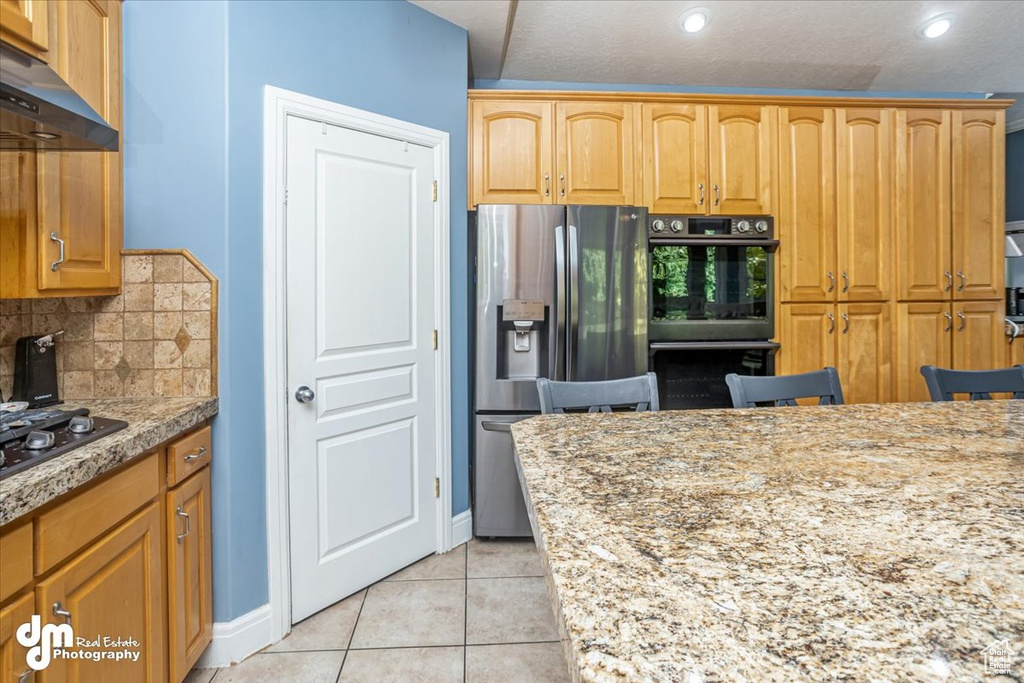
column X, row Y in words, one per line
column 122, row 369
column 182, row 339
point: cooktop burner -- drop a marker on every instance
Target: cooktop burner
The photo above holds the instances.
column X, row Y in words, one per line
column 30, row 437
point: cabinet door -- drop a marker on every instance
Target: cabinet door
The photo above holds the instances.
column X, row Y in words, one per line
column 80, row 192
column 1015, row 352
column 513, row 158
column 13, row 665
column 807, row 334
column 25, row 24
column 740, row 159
column 979, row 340
column 978, row 204
column 189, row 587
column 675, row 158
column 924, row 269
column 864, row 179
column 923, row 337
column 595, row 152
column 115, row 589
column 807, row 206
column 865, row 352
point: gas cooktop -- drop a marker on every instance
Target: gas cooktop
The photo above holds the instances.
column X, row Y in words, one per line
column 30, row 437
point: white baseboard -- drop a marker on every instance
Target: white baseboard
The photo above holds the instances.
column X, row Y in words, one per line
column 235, row 640
column 462, row 528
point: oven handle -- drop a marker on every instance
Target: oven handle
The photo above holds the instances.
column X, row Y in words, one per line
column 720, row 345
column 769, row 245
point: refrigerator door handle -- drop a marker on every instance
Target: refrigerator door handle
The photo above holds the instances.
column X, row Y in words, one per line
column 557, row 370
column 496, row 426
column 572, row 317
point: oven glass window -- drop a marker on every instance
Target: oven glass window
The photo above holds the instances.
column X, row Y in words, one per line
column 699, row 282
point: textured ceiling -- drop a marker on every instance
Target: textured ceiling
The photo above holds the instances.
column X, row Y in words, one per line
column 854, row 45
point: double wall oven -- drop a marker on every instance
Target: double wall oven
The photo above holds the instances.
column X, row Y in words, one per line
column 711, row 295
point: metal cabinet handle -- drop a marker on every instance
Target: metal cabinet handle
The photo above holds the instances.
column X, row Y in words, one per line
column 949, row 280
column 949, row 322
column 846, row 326
column 25, row 676
column 188, row 526
column 846, row 282
column 832, row 323
column 304, row 394
column 496, row 426
column 196, row 454
column 831, row 281
column 716, row 194
column 547, row 184
column 561, row 180
column 701, row 188
column 56, row 264
column 963, row 321
column 59, row 611
column 963, row 280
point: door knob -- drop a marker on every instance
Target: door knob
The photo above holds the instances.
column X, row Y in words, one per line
column 304, row 394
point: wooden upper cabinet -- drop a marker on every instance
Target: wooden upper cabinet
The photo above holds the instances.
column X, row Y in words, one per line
column 978, row 204
column 864, row 181
column 675, row 153
column 513, row 155
column 13, row 664
column 979, row 337
column 923, row 218
column 740, row 159
column 923, row 337
column 808, row 335
column 865, row 352
column 25, row 24
column 595, row 152
column 806, row 218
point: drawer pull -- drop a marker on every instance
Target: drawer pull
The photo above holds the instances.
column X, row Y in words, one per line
column 59, row 611
column 60, row 258
column 188, row 528
column 196, row 454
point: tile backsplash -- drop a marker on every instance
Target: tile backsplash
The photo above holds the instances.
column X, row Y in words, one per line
column 157, row 338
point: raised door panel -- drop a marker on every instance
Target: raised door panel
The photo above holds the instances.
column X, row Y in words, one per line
column 14, row 666
column 595, row 152
column 807, row 334
column 115, row 589
column 189, row 587
column 923, row 337
column 807, row 210
column 80, row 192
column 25, row 24
column 923, row 215
column 675, row 158
column 978, row 204
column 740, row 159
column 864, row 179
column 1015, row 352
column 865, row 352
column 979, row 340
column 513, row 158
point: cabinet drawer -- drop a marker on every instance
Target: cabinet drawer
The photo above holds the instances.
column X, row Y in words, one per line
column 188, row 454
column 15, row 560
column 61, row 532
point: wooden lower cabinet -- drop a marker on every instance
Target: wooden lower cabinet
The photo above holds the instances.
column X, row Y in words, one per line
column 114, row 589
column 1015, row 352
column 807, row 334
column 13, row 667
column 979, row 335
column 190, row 608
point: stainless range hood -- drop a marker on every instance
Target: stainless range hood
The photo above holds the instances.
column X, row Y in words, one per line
column 39, row 111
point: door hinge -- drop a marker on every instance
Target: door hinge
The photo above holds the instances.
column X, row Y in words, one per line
column 437, row 487
column 286, row 196
column 435, row 190
column 435, row 340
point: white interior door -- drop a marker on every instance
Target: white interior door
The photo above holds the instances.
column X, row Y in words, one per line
column 360, row 278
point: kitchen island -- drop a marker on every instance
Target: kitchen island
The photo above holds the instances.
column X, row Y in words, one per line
column 871, row 542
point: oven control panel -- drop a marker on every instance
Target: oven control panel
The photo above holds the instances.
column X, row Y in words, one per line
column 741, row 227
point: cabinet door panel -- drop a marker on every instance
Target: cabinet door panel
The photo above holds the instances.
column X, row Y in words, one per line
column 978, row 204
column 513, row 157
column 923, row 337
column 923, row 220
column 80, row 192
column 807, row 214
column 189, row 592
column 740, row 159
column 595, row 152
column 979, row 342
column 865, row 352
column 675, row 158
column 1015, row 352
column 13, row 665
column 114, row 588
column 25, row 24
column 864, row 177
column 807, row 336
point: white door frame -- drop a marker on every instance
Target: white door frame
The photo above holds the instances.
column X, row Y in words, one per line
column 278, row 104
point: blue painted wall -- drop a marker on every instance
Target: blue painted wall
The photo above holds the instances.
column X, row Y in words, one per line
column 194, row 79
column 1015, row 176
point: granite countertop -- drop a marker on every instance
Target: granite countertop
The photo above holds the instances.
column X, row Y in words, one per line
column 151, row 421
column 852, row 543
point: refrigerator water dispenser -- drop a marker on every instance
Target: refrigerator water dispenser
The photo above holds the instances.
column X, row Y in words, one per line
column 522, row 339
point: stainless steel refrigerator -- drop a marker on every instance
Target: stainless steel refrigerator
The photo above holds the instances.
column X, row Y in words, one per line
column 561, row 292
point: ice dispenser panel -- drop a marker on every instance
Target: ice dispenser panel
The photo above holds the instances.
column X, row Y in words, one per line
column 522, row 339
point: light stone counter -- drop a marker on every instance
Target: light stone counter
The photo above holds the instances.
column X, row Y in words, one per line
column 851, row 543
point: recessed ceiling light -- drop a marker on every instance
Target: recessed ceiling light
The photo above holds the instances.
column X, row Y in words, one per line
column 936, row 26
column 694, row 20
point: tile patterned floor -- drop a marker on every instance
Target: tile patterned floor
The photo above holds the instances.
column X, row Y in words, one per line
column 479, row 614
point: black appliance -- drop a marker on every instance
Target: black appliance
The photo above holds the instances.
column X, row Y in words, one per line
column 30, row 437
column 712, row 278
column 35, row 370
column 691, row 375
